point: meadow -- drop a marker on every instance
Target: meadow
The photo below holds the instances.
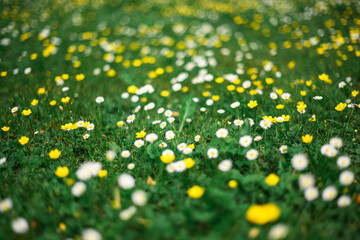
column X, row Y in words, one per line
column 185, row 119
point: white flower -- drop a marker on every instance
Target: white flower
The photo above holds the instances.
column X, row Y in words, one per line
column 265, row 123
column 221, row 111
column 343, row 162
column 78, row 189
column 160, row 110
column 257, row 138
column 149, row 106
column 179, row 166
column 125, row 154
column 139, row 143
column 2, row 160
column 110, row 155
column 151, row 137
column 299, row 162
column 212, row 153
column 238, row 122
column 139, row 198
column 5, row 205
column 332, row 152
column 134, row 98
column 344, row 201
column 162, row 125
column 187, row 150
column 279, row 231
column 90, row 234
column 318, row 98
column 88, row 170
column 202, row 109
column 137, row 109
column 251, row 121
column 131, row 166
column 311, row 193
column 283, row 149
column 80, row 123
column 172, row 119
column 245, row 141
column 130, row 118
column 126, row 181
column 168, row 113
column 162, row 145
column 126, row 214
column 90, row 127
column 225, row 165
column 197, row 138
column 246, row 84
column 99, row 100
column 222, row 133
column 14, row 109
column 329, row 193
column 336, row 142
column 181, row 146
column 125, row 95
column 169, row 135
column 170, row 168
column 20, row 225
column 306, row 180
column 285, row 96
column 273, row 95
column 252, row 154
column 235, row 105
column 280, row 119
column 342, row 84
column 346, row 178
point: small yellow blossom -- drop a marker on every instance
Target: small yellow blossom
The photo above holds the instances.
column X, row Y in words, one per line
column 232, row 183
column 132, row 89
column 307, row 138
column 164, row 93
column 252, row 104
column 140, row 134
column 62, row 172
column 354, row 93
column 196, row 192
column 340, row 107
column 54, row 154
column 52, row 103
column 325, row 78
column 5, row 128
column 102, row 173
column 167, row 158
column 26, row 112
column 41, row 91
column 65, row 100
column 23, row 140
column 189, row 162
column 120, row 123
column 262, row 214
column 272, row 179
column 279, row 106
column 62, row 227
column 34, row 102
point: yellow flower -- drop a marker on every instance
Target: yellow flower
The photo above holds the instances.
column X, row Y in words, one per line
column 41, row 91
column 62, row 172
column 34, row 102
column 70, row 181
column 23, row 140
column 192, row 146
column 62, row 227
column 189, row 162
column 54, row 154
column 79, row 77
column 354, row 93
column 140, row 134
column 272, row 179
column 164, row 93
column 279, row 106
column 167, row 158
column 215, row 98
column 219, row 80
column 303, row 93
column 26, row 112
column 132, row 89
column 5, row 128
column 307, row 138
column 312, row 119
column 269, row 81
column 325, row 78
column 120, row 123
column 52, row 103
column 102, row 173
column 252, row 104
column 262, row 214
column 65, row 100
column 196, row 192
column 232, row 183
column 231, row 87
column 340, row 107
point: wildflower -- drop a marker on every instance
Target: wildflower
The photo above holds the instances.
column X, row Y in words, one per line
column 86, row 136
column 126, row 181
column 169, row 135
column 54, row 154
column 336, row 142
column 306, row 180
column 151, row 137
column 41, row 91
column 132, row 89
column 88, row 170
column 90, row 127
column 318, row 98
column 343, row 162
column 99, row 100
column 279, row 231
column 130, row 118
column 342, row 84
column 222, row 133
column 189, row 162
column 285, row 96
column 265, row 124
column 307, row 138
column 139, row 198
column 23, row 140
column 346, row 178
column 197, row 138
column 187, row 150
column 52, row 102
column 212, row 153
column 5, row 205
column 110, row 155
column 2, row 160
column 273, row 95
column 235, row 105
column 26, row 112
column 252, row 154
column 280, row 106
column 232, row 183
column 62, row 172
column 102, row 173
column 299, row 162
column 15, row 109
column 344, row 201
column 324, row 77
column 131, row 166
column 65, row 100
column 78, row 189
column 34, row 102
column 340, row 107
column 139, row 143
column 329, row 193
column 262, row 214
column 225, row 165
column 196, row 191
column 238, row 122
column 20, row 225
column 120, row 123
column 167, row 156
column 354, row 93
column 140, row 134
column 5, row 128
column 90, row 234
column 313, row 118
column 283, row 149
column 252, row 104
column 311, row 193
column 272, row 179
column 245, row 141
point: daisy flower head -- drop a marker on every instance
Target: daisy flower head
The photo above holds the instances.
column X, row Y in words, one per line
column 162, row 125
column 344, row 201
column 90, row 127
column 279, row 231
column 336, row 142
column 179, row 166
column 197, row 138
column 91, row 234
column 273, row 95
column 306, row 180
column 168, row 113
column 181, row 146
column 131, row 166
column 245, row 141
column 187, row 150
column 257, row 138
column 86, row 136
column 130, row 118
column 222, row 133
column 265, row 124
column 285, row 96
column 212, row 153
column 343, row 162
column 151, row 137
column 299, row 162
column 238, row 122
column 169, row 135
column 346, row 178
column 311, row 193
column 139, row 143
column 5, row 205
column 20, row 225
column 14, row 109
column 110, row 155
column 126, row 181
column 252, row 154
column 78, row 189
column 318, row 98
column 99, row 100
column 163, row 145
column 225, row 165
column 235, row 104
column 139, row 198
column 329, row 193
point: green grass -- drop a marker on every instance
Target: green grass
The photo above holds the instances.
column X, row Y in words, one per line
column 324, row 38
